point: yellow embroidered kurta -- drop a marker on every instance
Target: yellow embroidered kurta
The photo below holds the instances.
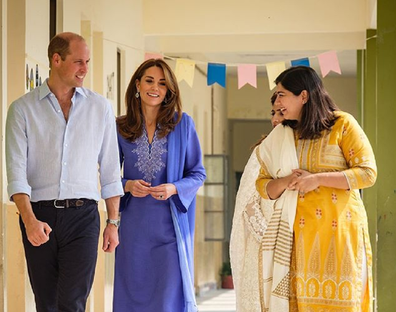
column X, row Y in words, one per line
column 330, row 229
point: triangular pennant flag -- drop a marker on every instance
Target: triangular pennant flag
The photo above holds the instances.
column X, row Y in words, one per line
column 247, row 73
column 185, row 69
column 273, row 71
column 217, row 73
column 329, row 61
column 148, row 56
column 301, row 62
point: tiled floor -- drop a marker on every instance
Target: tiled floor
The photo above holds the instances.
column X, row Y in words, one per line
column 221, row 300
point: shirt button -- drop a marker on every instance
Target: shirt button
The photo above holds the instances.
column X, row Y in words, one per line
column 63, row 181
column 58, row 110
column 64, row 163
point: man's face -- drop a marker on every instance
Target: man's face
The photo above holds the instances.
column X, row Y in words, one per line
column 73, row 69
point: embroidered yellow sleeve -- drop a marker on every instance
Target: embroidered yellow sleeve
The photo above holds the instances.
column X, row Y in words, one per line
column 261, row 183
column 359, row 155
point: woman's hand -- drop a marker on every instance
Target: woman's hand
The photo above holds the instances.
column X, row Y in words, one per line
column 276, row 187
column 138, row 188
column 163, row 191
column 304, row 181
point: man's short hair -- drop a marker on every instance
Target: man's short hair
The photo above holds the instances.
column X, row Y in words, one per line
column 60, row 44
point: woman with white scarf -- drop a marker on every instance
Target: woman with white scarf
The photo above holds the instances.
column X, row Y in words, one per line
column 252, row 217
column 330, row 267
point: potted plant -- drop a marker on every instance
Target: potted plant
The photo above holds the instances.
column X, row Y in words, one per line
column 226, row 276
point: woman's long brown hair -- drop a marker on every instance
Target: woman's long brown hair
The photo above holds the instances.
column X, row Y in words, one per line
column 131, row 125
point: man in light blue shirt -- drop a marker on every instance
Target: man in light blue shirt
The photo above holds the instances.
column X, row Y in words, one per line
column 58, row 138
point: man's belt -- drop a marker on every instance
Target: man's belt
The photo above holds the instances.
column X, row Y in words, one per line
column 66, row 203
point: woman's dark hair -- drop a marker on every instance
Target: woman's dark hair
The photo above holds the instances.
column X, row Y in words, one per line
column 130, row 125
column 318, row 112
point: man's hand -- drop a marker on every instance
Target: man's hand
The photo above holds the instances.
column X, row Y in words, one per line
column 110, row 233
column 37, row 232
column 110, row 238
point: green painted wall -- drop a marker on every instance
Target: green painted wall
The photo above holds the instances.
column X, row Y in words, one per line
column 367, row 75
column 386, row 155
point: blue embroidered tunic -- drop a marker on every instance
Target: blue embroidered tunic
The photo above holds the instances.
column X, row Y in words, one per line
column 154, row 270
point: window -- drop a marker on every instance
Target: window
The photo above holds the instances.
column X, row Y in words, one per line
column 215, row 203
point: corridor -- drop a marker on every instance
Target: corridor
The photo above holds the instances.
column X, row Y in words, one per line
column 221, row 300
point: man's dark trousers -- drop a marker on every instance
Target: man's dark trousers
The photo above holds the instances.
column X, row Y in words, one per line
column 61, row 271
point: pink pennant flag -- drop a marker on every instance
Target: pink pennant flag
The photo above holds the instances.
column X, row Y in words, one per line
column 247, row 73
column 329, row 61
column 155, row 56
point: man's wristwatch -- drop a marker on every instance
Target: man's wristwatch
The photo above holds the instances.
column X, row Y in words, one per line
column 115, row 222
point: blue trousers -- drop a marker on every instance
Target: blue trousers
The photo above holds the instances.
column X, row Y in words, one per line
column 61, row 271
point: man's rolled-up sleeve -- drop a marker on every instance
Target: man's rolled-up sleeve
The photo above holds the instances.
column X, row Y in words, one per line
column 109, row 165
column 16, row 152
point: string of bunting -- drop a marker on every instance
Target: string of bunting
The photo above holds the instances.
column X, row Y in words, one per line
column 247, row 73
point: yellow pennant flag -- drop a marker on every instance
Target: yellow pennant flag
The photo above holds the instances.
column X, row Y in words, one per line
column 185, row 69
column 273, row 71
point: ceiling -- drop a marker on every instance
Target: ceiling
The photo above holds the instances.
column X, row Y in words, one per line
column 259, row 32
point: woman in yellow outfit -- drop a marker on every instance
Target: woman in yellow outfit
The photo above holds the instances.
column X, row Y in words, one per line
column 331, row 259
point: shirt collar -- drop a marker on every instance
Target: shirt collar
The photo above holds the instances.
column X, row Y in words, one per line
column 45, row 90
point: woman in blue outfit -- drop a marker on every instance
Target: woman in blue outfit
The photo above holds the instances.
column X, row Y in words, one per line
column 162, row 171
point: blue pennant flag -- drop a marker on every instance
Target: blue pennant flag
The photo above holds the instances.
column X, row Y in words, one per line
column 217, row 73
column 301, row 62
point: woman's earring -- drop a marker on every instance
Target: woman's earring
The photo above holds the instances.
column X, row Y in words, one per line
column 137, row 94
column 165, row 100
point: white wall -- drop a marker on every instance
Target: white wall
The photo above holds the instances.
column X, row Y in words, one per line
column 233, row 26
column 37, row 36
column 71, row 13
column 122, row 27
column 234, row 16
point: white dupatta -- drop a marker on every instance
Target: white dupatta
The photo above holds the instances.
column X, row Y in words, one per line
column 262, row 232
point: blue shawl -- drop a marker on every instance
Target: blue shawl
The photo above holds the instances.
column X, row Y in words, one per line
column 186, row 172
